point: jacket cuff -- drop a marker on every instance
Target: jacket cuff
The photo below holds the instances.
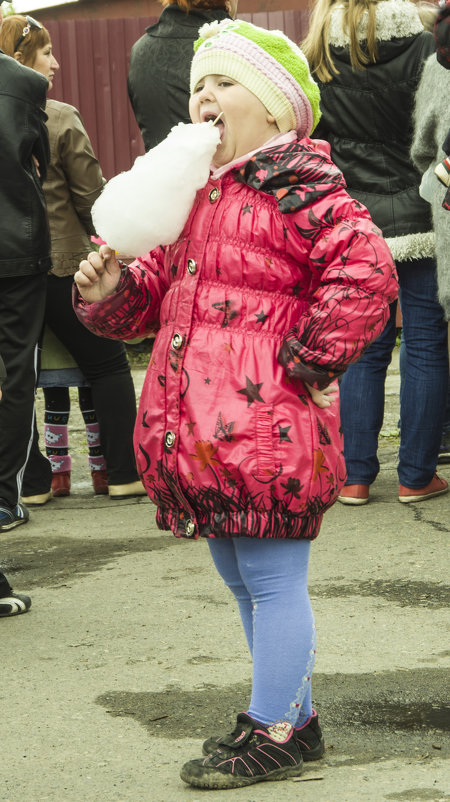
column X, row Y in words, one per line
column 86, row 310
column 315, row 375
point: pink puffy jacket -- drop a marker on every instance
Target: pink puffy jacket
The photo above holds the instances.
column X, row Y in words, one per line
column 279, row 277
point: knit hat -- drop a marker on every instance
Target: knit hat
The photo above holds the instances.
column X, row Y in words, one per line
column 267, row 63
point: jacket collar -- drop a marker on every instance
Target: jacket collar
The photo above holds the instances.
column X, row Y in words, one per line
column 175, row 21
column 395, row 19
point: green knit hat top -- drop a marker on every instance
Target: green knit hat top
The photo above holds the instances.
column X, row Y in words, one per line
column 267, row 63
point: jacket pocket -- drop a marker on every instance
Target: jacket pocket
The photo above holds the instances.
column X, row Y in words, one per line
column 265, row 444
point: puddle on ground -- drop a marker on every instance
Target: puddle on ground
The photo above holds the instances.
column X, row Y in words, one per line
column 405, row 593
column 52, row 561
column 357, row 729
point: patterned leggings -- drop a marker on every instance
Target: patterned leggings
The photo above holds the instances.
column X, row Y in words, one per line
column 269, row 581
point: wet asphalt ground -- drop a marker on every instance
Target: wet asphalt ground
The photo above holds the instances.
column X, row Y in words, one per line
column 133, row 653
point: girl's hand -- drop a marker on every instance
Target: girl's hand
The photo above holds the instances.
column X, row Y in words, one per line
column 98, row 275
column 323, row 398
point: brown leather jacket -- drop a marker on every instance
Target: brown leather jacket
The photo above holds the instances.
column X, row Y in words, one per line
column 74, row 181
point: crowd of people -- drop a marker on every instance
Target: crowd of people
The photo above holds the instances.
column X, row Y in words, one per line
column 275, row 305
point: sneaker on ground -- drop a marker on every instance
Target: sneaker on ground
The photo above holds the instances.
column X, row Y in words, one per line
column 125, row 491
column 14, row 604
column 356, row 495
column 9, row 518
column 436, row 487
column 254, row 753
column 38, row 499
column 309, row 738
column 444, row 449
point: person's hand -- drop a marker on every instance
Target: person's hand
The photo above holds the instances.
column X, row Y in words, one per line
column 98, row 275
column 36, row 164
column 323, row 398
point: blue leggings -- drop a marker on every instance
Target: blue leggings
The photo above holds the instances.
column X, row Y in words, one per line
column 269, row 581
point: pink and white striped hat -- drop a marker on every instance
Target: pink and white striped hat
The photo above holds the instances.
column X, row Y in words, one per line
column 267, row 63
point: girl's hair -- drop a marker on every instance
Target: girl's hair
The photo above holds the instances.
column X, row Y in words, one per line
column 316, row 45
column 12, row 31
column 192, row 5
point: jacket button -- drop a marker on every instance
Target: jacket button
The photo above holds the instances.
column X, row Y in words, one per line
column 192, row 266
column 177, row 341
column 169, row 439
column 214, row 194
column 190, row 528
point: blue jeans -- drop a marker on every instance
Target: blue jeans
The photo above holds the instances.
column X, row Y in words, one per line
column 423, row 391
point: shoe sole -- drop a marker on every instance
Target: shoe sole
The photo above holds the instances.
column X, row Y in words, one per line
column 13, row 524
column 353, row 502
column 36, row 501
column 17, row 606
column 114, row 497
column 215, row 780
column 410, row 499
column 123, row 491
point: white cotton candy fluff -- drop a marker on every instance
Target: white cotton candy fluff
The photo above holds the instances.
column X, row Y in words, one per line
column 149, row 204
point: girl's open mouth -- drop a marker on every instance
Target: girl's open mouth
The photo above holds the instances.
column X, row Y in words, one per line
column 216, row 120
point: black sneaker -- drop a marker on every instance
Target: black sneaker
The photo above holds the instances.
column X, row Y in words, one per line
column 14, row 604
column 309, row 739
column 444, row 449
column 253, row 753
column 11, row 517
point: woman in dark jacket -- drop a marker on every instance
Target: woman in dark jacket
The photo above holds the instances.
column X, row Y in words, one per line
column 24, row 264
column 160, row 62
column 368, row 58
column 73, row 182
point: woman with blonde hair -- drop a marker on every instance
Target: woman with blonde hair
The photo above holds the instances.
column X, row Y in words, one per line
column 367, row 56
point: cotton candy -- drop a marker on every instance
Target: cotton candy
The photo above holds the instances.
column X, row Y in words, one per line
column 149, row 204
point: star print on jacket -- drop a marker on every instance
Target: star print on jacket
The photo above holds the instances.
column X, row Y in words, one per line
column 251, row 391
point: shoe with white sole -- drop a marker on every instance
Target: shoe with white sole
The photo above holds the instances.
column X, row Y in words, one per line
column 12, row 516
column 14, row 604
column 37, row 500
column 436, row 487
column 355, row 495
column 118, row 492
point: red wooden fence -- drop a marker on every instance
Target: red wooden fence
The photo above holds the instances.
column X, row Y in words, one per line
column 94, row 56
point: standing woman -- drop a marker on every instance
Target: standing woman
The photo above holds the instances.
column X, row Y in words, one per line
column 74, row 181
column 367, row 56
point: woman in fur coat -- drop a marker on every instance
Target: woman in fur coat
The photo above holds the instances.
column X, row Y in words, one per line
column 432, row 126
column 368, row 58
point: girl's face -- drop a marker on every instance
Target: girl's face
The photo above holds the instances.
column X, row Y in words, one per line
column 245, row 124
column 45, row 63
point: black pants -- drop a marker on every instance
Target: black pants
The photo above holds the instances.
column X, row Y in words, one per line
column 22, row 305
column 105, row 365
column 5, row 587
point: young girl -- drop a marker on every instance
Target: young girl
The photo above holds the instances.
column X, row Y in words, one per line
column 277, row 282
